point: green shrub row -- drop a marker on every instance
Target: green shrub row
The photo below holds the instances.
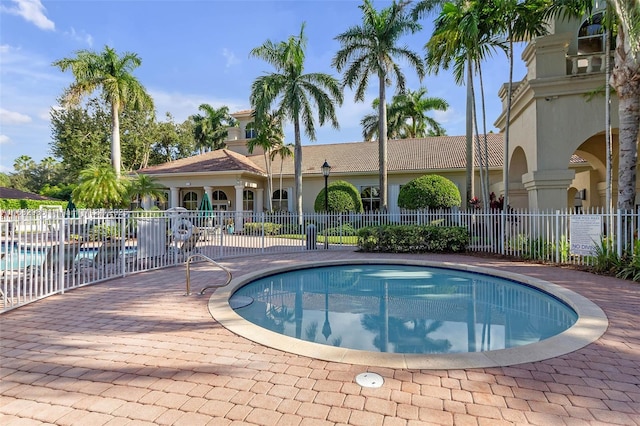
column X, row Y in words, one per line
column 255, row 228
column 12, row 204
column 413, row 239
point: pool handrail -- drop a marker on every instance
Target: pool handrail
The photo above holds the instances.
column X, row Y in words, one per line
column 208, row 259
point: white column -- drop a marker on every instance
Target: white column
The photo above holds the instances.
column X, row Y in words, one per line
column 238, row 207
column 394, row 191
column 208, row 191
column 259, row 205
column 175, row 197
column 290, row 199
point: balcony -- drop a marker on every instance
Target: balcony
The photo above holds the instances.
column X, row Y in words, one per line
column 587, row 63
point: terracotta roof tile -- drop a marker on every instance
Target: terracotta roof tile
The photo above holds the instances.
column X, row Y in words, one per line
column 15, row 194
column 214, row 161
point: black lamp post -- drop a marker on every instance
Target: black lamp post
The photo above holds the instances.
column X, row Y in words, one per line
column 326, row 169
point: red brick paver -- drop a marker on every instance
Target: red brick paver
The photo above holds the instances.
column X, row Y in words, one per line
column 134, row 350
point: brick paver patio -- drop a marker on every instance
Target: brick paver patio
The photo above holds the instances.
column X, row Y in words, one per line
column 135, row 351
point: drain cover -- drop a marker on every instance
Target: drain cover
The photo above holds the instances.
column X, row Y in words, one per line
column 369, row 380
column 240, row 302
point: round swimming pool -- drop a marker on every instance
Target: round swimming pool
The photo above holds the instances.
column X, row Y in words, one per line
column 408, row 315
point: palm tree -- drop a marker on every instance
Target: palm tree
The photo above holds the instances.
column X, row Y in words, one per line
column 406, row 116
column 270, row 135
column 413, row 107
column 100, row 187
column 113, row 75
column 462, row 38
column 283, row 151
column 518, row 21
column 211, row 129
column 625, row 79
column 296, row 94
column 373, row 48
column 146, row 188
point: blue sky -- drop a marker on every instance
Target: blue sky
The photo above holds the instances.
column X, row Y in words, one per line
column 192, row 52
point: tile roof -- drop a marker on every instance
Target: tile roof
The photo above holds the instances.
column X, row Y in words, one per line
column 434, row 153
column 214, row 161
column 16, row 194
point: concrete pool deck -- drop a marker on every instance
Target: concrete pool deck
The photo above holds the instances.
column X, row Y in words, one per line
column 136, row 351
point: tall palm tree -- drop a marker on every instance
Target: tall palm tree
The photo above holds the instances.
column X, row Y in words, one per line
column 283, row 151
column 462, row 39
column 373, row 48
column 113, row 75
column 270, row 135
column 211, row 128
column 296, row 95
column 100, row 187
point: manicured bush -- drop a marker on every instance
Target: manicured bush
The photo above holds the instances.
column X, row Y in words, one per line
column 13, row 204
column 346, row 230
column 343, row 197
column 255, row 228
column 429, row 191
column 413, row 239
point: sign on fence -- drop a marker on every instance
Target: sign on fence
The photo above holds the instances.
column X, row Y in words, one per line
column 585, row 234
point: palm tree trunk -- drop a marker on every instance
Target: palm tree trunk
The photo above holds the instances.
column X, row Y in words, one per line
column 281, row 165
column 382, row 144
column 626, row 79
column 115, row 138
column 470, row 168
column 298, row 168
column 507, row 125
column 485, row 187
column 478, row 147
column 267, row 163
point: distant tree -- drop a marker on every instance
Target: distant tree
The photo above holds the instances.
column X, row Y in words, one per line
column 296, row 95
column 373, row 49
column 112, row 74
column 429, row 191
column 100, row 187
column 5, row 180
column 211, row 128
column 172, row 141
column 270, row 135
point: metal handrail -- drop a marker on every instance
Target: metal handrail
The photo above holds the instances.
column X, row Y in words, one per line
column 227, row 270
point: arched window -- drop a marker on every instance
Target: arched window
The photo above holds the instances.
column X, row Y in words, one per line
column 219, row 200
column 591, row 35
column 247, row 200
column 190, row 201
column 280, row 200
column 250, row 131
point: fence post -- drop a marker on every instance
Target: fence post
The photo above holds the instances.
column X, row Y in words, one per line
column 61, row 253
column 264, row 241
column 557, row 225
column 619, row 233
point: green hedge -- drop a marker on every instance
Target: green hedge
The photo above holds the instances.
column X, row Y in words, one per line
column 255, row 228
column 11, row 204
column 413, row 239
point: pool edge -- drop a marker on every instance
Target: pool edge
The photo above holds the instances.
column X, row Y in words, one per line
column 590, row 326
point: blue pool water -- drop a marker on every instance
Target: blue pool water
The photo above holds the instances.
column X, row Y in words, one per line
column 16, row 257
column 402, row 309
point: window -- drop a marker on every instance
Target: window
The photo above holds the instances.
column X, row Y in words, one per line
column 591, row 36
column 247, row 200
column 219, row 200
column 370, row 198
column 280, row 201
column 190, row 201
column 250, row 131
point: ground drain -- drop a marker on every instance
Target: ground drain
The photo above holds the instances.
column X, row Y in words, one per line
column 240, row 301
column 369, row 380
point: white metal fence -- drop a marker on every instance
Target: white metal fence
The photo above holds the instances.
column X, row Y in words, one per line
column 46, row 252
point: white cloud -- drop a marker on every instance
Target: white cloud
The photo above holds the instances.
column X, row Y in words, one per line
column 11, row 117
column 32, row 11
column 80, row 36
column 182, row 105
column 231, row 58
column 4, row 139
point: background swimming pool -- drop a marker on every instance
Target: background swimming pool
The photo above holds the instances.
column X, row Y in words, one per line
column 403, row 309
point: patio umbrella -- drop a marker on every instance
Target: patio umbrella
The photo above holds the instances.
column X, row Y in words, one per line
column 72, row 210
column 205, row 207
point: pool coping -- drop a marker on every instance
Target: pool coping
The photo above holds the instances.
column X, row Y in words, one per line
column 591, row 324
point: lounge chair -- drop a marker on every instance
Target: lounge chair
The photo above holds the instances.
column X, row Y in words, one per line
column 106, row 261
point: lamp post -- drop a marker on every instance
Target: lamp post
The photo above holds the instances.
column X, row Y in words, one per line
column 326, row 169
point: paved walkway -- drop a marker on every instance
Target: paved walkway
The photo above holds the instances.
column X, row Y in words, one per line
column 135, row 351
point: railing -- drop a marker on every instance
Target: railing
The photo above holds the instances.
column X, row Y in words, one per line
column 49, row 252
column 587, row 64
column 208, row 259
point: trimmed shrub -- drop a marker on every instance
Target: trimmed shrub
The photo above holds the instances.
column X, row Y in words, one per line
column 343, row 197
column 12, row 204
column 255, row 228
column 413, row 239
column 429, row 191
